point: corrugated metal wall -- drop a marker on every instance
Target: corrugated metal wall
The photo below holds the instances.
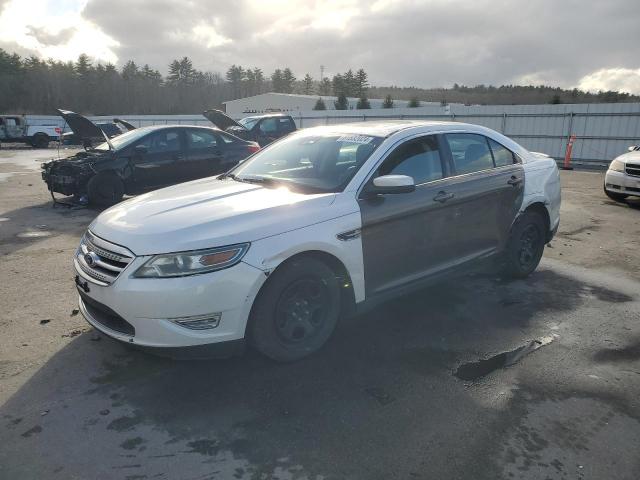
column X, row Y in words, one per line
column 603, row 131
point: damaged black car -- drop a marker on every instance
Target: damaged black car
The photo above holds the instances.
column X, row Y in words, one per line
column 140, row 160
column 262, row 129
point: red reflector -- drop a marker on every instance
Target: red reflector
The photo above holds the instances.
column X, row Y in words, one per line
column 254, row 148
column 58, row 129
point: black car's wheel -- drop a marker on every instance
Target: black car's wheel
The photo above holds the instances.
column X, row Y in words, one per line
column 40, row 140
column 296, row 310
column 105, row 189
column 526, row 245
column 616, row 197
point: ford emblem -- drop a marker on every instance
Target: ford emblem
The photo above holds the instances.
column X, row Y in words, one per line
column 91, row 259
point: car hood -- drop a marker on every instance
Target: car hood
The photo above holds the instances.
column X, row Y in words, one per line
column 208, row 213
column 81, row 126
column 630, row 157
column 221, row 119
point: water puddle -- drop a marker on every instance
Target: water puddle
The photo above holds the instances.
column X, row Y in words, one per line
column 34, row 234
column 476, row 370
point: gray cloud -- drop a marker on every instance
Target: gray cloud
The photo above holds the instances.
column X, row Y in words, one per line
column 413, row 42
column 47, row 38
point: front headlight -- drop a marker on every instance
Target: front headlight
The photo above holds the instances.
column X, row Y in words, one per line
column 192, row 263
column 617, row 166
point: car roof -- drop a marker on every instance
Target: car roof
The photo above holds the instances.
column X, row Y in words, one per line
column 161, row 127
column 386, row 128
column 266, row 115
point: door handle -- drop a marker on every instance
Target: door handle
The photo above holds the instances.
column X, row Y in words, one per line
column 443, row 197
column 514, row 181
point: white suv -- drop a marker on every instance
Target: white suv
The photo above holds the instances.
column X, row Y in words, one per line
column 323, row 223
column 623, row 176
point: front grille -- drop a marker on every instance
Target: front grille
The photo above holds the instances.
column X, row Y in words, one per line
column 633, row 169
column 107, row 317
column 101, row 261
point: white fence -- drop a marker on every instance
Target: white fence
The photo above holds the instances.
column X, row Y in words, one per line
column 603, row 131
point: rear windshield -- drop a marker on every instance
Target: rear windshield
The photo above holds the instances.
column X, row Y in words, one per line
column 309, row 163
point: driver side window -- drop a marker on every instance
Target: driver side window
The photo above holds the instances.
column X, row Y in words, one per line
column 164, row 141
column 418, row 158
column 268, row 125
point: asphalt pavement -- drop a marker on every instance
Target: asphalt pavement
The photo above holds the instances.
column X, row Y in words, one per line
column 473, row 378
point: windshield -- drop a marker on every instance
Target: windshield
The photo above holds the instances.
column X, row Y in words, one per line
column 248, row 122
column 123, row 140
column 309, row 163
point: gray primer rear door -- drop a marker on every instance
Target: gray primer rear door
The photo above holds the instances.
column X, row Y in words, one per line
column 406, row 236
column 487, row 198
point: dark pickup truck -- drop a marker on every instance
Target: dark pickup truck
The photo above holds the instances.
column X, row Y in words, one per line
column 263, row 129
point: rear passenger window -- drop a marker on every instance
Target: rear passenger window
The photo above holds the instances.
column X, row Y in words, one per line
column 418, row 158
column 501, row 155
column 286, row 125
column 470, row 152
column 201, row 139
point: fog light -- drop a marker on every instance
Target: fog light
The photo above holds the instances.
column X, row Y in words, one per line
column 199, row 322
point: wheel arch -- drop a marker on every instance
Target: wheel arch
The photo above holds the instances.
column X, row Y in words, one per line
column 540, row 208
column 347, row 294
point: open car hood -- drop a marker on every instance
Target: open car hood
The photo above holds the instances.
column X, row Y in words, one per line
column 84, row 128
column 221, row 119
column 124, row 124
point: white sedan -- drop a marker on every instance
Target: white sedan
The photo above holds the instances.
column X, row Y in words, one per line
column 623, row 176
column 324, row 223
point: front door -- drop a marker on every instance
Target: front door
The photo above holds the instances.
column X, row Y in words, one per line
column 407, row 236
column 158, row 164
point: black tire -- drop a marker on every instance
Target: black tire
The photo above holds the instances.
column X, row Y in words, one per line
column 616, row 197
column 105, row 189
column 296, row 311
column 40, row 140
column 526, row 245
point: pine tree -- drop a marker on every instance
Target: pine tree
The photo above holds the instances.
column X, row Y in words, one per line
column 288, row 79
column 362, row 84
column 388, row 102
column 307, row 85
column 320, row 104
column 276, row 81
column 341, row 103
column 83, row 65
column 325, row 86
column 363, row 104
column 414, row 103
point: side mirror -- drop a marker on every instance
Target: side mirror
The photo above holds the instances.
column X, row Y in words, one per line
column 140, row 150
column 633, row 148
column 389, row 184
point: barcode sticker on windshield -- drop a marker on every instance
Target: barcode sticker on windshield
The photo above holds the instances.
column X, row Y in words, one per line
column 355, row 139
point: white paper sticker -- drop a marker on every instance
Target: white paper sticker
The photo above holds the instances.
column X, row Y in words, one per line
column 364, row 139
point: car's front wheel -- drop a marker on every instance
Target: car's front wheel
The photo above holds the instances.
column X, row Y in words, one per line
column 296, row 311
column 105, row 189
column 616, row 197
column 526, row 245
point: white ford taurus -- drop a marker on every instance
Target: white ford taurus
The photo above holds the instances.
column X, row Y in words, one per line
column 319, row 225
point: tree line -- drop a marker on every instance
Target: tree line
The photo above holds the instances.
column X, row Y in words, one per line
column 33, row 85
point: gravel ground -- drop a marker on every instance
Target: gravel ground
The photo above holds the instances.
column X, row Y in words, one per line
column 380, row 401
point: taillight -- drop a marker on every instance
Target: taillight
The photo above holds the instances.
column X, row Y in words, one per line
column 253, row 148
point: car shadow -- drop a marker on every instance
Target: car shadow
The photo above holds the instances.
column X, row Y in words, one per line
column 378, row 401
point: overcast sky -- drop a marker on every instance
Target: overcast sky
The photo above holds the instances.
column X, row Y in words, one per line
column 426, row 43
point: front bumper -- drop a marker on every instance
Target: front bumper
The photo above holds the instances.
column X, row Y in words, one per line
column 138, row 311
column 619, row 182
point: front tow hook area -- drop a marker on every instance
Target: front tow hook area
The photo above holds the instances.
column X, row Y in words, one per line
column 83, row 285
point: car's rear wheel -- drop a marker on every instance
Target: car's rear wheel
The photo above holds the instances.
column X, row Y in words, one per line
column 40, row 140
column 616, row 197
column 296, row 311
column 105, row 189
column 526, row 245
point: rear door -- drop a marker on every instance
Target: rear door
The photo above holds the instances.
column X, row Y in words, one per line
column 406, row 237
column 266, row 130
column 286, row 125
column 487, row 193
column 160, row 165
column 204, row 156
